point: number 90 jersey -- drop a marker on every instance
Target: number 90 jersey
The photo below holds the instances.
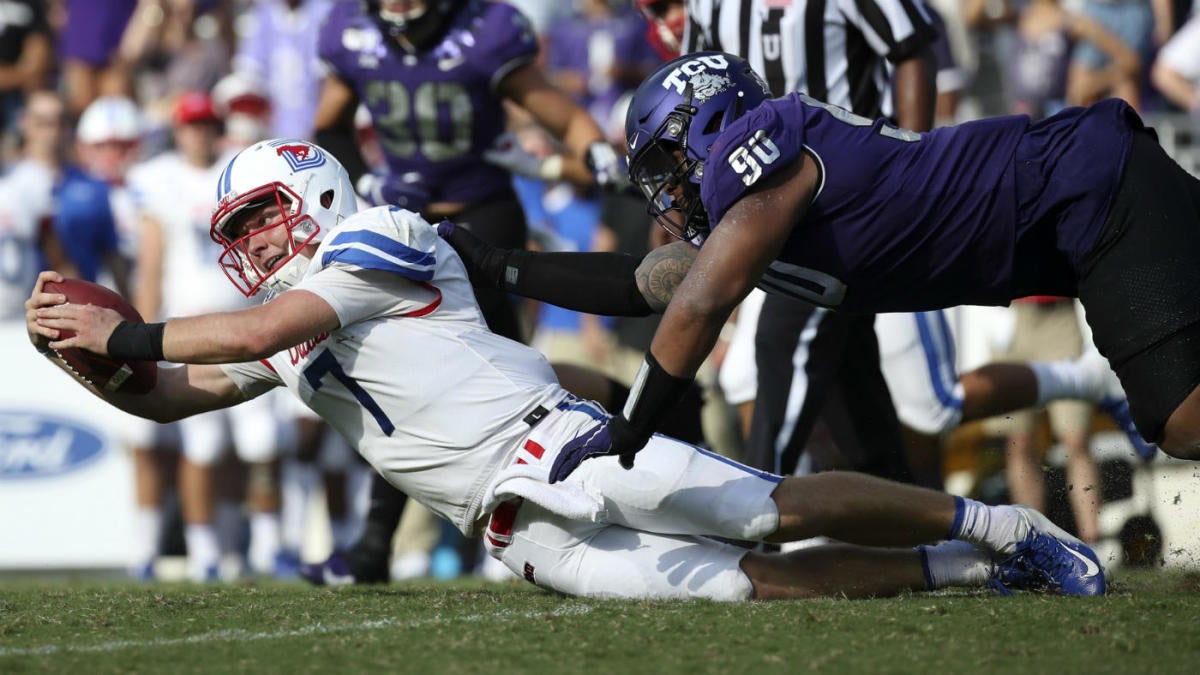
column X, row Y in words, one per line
column 974, row 214
column 435, row 110
column 413, row 379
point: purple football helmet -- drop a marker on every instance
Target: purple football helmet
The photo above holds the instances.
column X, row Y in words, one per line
column 675, row 116
column 421, row 22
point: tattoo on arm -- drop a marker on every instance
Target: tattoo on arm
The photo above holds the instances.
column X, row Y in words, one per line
column 661, row 272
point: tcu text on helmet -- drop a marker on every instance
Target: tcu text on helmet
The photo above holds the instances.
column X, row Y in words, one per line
column 678, row 77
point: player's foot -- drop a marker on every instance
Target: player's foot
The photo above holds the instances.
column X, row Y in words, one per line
column 412, row 565
column 1117, row 407
column 1043, row 556
column 333, row 571
column 143, row 572
column 343, row 569
column 287, row 565
column 1043, row 562
column 209, row 574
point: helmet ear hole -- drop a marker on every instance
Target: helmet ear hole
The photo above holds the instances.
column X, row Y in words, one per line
column 326, row 199
column 714, row 123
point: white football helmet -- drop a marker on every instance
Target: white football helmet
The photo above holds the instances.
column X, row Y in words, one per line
column 314, row 195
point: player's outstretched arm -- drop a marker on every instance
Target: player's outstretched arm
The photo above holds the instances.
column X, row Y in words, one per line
column 747, row 240
column 610, row 284
column 592, row 159
column 226, row 337
column 177, row 393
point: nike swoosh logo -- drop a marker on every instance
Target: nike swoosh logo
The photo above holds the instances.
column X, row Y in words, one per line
column 1092, row 568
column 633, row 142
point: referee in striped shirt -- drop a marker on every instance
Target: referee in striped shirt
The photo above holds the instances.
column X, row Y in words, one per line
column 874, row 58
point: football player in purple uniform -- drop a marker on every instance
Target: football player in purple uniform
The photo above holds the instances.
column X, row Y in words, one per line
column 434, row 75
column 806, row 199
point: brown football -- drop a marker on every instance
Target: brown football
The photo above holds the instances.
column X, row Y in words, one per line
column 127, row 377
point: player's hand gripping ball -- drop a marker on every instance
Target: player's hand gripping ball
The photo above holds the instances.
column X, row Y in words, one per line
column 108, row 375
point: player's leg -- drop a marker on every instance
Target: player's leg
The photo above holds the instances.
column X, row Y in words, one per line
column 799, row 351
column 1071, row 422
column 1139, row 288
column 738, row 375
column 859, row 411
column 1023, row 465
column 256, row 435
column 601, row 560
column 839, row 570
column 203, row 439
column 140, row 436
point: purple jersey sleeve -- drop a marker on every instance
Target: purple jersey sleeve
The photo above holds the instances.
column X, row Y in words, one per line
column 755, row 147
column 900, row 222
column 344, row 34
column 504, row 40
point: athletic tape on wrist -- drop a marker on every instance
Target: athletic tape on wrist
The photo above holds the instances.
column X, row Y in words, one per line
column 653, row 394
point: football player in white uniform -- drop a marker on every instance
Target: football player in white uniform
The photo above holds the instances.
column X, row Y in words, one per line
column 176, row 277
column 372, row 323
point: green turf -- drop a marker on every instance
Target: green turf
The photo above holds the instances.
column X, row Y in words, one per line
column 1150, row 622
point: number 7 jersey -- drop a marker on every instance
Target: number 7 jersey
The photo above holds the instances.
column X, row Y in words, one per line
column 413, row 378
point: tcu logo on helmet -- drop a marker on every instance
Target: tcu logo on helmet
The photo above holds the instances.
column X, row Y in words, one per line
column 299, row 156
column 678, row 78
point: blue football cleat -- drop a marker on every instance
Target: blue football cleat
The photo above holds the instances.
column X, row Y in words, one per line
column 1117, row 407
column 334, row 571
column 1045, row 563
column 286, row 565
column 1045, row 557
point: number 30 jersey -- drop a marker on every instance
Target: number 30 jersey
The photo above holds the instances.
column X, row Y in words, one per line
column 413, row 378
column 436, row 110
column 978, row 213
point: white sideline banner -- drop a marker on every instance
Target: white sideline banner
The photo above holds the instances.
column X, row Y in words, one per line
column 66, row 481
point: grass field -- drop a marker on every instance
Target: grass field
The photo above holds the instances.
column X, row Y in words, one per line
column 1150, row 622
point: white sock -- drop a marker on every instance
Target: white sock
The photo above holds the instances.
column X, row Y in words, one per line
column 147, row 531
column 955, row 563
column 996, row 527
column 343, row 534
column 1068, row 378
column 227, row 519
column 202, row 550
column 297, row 482
column 264, row 541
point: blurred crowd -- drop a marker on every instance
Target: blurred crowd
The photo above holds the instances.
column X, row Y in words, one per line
column 117, row 115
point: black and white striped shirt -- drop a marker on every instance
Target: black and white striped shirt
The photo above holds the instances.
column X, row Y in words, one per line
column 836, row 51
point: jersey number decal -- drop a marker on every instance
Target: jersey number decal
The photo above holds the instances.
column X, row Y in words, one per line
column 435, row 107
column 805, row 283
column 749, row 158
column 843, row 115
column 325, row 364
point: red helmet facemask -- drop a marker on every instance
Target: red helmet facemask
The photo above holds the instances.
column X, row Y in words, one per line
column 236, row 259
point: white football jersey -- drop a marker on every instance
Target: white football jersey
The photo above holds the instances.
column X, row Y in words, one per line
column 181, row 198
column 25, row 202
column 413, row 379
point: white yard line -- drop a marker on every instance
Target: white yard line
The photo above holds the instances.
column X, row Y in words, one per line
column 238, row 635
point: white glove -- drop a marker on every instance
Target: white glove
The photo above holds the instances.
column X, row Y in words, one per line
column 508, row 154
column 606, row 166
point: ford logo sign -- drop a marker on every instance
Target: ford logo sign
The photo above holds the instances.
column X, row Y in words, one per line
column 34, row 445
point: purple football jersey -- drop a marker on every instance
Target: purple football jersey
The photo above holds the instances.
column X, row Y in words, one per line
column 979, row 213
column 436, row 110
